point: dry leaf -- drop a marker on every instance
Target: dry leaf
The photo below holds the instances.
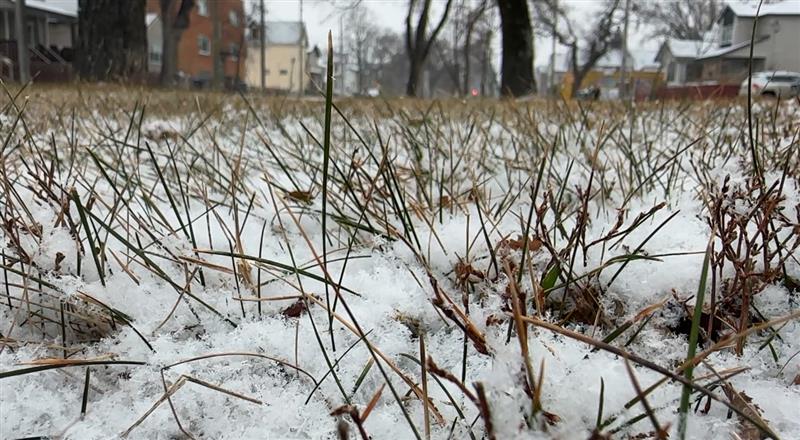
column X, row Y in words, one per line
column 746, row 430
column 295, row 310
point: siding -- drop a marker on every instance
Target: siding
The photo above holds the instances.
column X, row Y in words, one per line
column 190, row 61
column 278, row 58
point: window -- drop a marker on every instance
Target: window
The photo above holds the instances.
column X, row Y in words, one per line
column 155, row 56
column 726, row 36
column 202, row 7
column 233, row 17
column 786, row 78
column 726, row 30
column 234, row 50
column 284, row 72
column 203, row 45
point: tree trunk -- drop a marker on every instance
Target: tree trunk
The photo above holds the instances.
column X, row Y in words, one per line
column 172, row 26
column 467, row 65
column 487, row 45
column 218, row 76
column 360, row 65
column 418, row 45
column 517, row 65
column 169, row 45
column 112, row 39
column 414, row 75
column 263, row 42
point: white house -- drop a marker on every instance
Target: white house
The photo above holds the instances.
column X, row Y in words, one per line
column 678, row 60
column 345, row 75
column 155, row 41
column 724, row 55
column 285, row 54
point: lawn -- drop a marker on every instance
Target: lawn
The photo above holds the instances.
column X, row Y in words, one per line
column 200, row 265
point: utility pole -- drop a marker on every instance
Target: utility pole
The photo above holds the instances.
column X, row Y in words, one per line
column 262, row 37
column 301, row 55
column 623, row 80
column 22, row 46
column 342, row 60
column 551, row 80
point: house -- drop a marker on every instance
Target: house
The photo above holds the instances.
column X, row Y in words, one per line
column 641, row 72
column 316, row 66
column 775, row 42
column 51, row 31
column 678, row 59
column 285, row 53
column 550, row 75
column 345, row 75
column 155, row 42
column 723, row 56
column 195, row 64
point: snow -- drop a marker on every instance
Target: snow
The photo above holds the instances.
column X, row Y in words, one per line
column 726, row 49
column 686, row 48
column 748, row 9
column 63, row 7
column 393, row 295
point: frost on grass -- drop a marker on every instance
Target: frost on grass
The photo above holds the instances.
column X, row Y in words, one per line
column 174, row 258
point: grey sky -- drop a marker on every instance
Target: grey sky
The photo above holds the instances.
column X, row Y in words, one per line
column 321, row 16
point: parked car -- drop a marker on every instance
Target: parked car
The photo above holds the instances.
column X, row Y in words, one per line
column 773, row 84
column 590, row 93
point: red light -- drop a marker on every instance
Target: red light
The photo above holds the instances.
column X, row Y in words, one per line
column 474, row 92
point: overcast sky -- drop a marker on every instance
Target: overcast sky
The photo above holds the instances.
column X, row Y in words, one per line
column 321, row 16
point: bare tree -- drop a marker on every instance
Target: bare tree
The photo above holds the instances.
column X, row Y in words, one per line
column 684, row 19
column 517, row 78
column 475, row 16
column 112, row 40
column 418, row 43
column 174, row 20
column 362, row 34
column 389, row 63
column 587, row 46
column 467, row 19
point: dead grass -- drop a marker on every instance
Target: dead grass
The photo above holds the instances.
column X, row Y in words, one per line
column 397, row 169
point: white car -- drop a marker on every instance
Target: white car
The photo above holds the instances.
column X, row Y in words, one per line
column 773, row 84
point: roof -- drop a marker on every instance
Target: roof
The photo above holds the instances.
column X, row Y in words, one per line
column 285, row 32
column 638, row 59
column 686, row 48
column 67, row 8
column 643, row 59
column 690, row 49
column 748, row 9
column 149, row 18
column 728, row 49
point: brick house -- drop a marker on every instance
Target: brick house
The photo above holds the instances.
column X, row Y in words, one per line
column 195, row 63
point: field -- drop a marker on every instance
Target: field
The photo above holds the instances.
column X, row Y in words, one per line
column 180, row 265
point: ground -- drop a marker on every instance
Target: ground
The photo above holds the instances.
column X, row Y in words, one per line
column 184, row 265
